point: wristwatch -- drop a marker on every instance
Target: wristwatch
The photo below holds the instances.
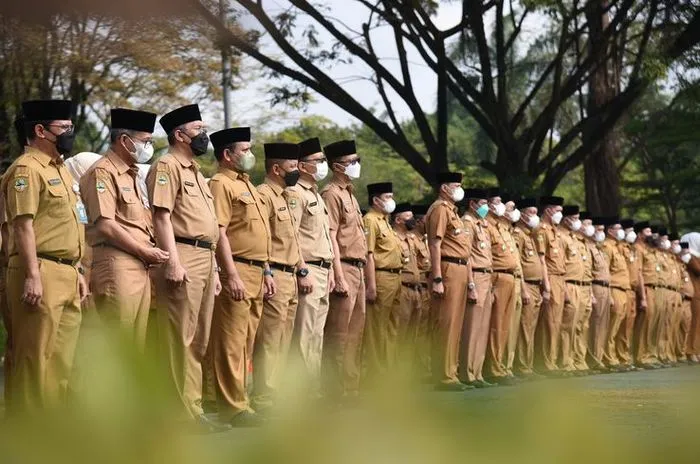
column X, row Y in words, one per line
column 267, row 272
column 303, row 272
column 437, row 280
column 471, row 286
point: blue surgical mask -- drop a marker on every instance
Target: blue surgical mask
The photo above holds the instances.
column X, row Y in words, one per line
column 482, row 211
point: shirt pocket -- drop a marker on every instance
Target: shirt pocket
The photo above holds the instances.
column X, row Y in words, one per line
column 284, row 222
column 242, row 208
column 132, row 207
column 191, row 188
column 57, row 200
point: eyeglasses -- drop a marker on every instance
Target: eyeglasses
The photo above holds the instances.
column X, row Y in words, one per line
column 355, row 161
column 67, row 128
column 320, row 160
column 146, row 143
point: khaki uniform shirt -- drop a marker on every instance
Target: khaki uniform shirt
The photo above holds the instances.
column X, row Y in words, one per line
column 576, row 251
column 587, row 259
column 311, row 220
column 423, row 252
column 443, row 223
column 345, row 219
column 687, row 289
column 284, row 247
column 504, row 253
column 41, row 187
column 109, row 191
column 551, row 245
column 410, row 272
column 601, row 265
column 651, row 268
column 382, row 241
column 630, row 253
column 176, row 184
column 481, row 257
column 242, row 212
column 619, row 272
column 529, row 257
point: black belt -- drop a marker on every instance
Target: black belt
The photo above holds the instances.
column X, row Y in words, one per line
column 321, row 263
column 687, row 298
column 653, row 286
column 393, row 271
column 414, row 286
column 195, row 243
column 250, row 262
column 449, row 259
column 354, row 262
column 482, row 270
column 66, row 261
column 533, row 282
column 601, row 283
column 283, row 268
column 504, row 271
column 580, row 283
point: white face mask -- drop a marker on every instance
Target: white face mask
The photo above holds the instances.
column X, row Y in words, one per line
column 389, row 206
column 631, row 237
column 576, row 225
column 599, row 236
column 499, row 209
column 458, row 194
column 665, row 245
column 353, row 170
column 557, row 217
column 677, row 249
column 685, row 258
column 143, row 153
column 620, row 235
column 589, row 230
column 321, row 171
column 514, row 216
column 246, row 162
column 533, row 221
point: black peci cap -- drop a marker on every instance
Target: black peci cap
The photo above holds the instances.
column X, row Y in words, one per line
column 585, row 216
column 641, row 225
column 180, row 116
column 402, row 208
column 310, row 147
column 551, row 201
column 476, row 194
column 223, row 138
column 142, row 121
column 526, row 203
column 626, row 223
column 570, row 210
column 379, row 188
column 449, row 178
column 47, row 110
column 340, row 149
column 282, row 151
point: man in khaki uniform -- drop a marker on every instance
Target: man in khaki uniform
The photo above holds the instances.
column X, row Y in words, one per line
column 600, row 316
column 582, row 323
column 505, row 279
column 46, row 241
column 475, row 332
column 576, row 250
column 551, row 248
column 635, row 295
column 450, row 245
column 646, row 318
column 512, row 215
column 120, row 229
column 525, row 233
column 242, row 251
column 424, row 265
column 664, row 294
column 342, row 339
column 279, row 311
column 311, row 219
column 185, row 226
column 383, row 277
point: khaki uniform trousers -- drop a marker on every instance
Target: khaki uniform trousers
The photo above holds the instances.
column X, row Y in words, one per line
column 673, row 325
column 270, row 344
column 525, row 351
column 184, row 319
column 664, row 311
column 475, row 329
column 693, row 345
column 644, row 330
column 447, row 320
column 568, row 326
column 549, row 326
column 381, row 329
column 599, row 324
column 121, row 290
column 44, row 336
column 342, row 338
column 623, row 342
column 312, row 312
column 425, row 333
column 502, row 308
column 582, row 327
column 229, row 349
column 407, row 316
column 514, row 329
column 683, row 332
column 618, row 311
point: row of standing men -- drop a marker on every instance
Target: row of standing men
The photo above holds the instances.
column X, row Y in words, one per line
column 245, row 273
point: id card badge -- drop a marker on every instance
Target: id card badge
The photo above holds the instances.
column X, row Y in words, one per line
column 82, row 213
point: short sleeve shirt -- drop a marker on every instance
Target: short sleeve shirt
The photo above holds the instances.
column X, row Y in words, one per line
column 284, row 243
column 443, row 223
column 39, row 186
column 504, row 252
column 619, row 272
column 601, row 265
column 529, row 257
column 630, row 253
column 382, row 241
column 551, row 245
column 481, row 241
column 410, row 272
column 176, row 184
column 345, row 220
column 311, row 219
column 651, row 267
column 575, row 252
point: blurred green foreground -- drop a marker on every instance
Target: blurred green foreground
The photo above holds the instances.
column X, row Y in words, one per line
column 122, row 415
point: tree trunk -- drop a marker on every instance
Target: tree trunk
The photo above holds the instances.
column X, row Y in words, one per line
column 601, row 176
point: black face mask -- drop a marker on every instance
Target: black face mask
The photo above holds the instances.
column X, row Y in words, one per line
column 199, row 144
column 411, row 224
column 291, row 178
column 64, row 142
column 650, row 240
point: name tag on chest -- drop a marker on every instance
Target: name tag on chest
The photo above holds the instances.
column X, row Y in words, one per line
column 56, row 181
column 189, row 184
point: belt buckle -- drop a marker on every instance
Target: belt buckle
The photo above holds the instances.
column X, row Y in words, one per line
column 360, row 264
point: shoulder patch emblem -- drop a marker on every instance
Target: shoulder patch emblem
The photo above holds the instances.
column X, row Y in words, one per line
column 100, row 186
column 292, row 203
column 21, row 184
column 162, row 178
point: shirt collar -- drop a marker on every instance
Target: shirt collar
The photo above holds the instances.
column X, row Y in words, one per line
column 276, row 188
column 342, row 184
column 308, row 185
column 118, row 163
column 43, row 158
column 185, row 161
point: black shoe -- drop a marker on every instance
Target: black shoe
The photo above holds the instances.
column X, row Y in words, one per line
column 247, row 419
column 207, row 425
column 452, row 387
column 503, row 381
column 481, row 384
column 210, row 407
